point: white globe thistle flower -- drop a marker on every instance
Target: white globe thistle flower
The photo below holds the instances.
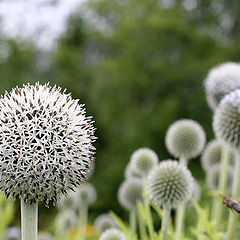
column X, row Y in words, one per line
column 212, row 177
column 129, row 172
column 12, row 233
column 185, row 138
column 212, row 154
column 104, row 222
column 45, row 236
column 129, row 192
column 169, row 184
column 143, row 160
column 220, row 81
column 68, row 202
column 86, row 194
column 113, row 234
column 65, row 220
column 45, row 143
column 226, row 122
column 196, row 193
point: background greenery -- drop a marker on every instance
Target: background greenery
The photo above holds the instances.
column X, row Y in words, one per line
column 139, row 66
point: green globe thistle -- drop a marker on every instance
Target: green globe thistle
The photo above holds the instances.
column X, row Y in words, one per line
column 220, row 81
column 86, row 194
column 113, row 234
column 129, row 172
column 130, row 192
column 226, row 122
column 104, row 222
column 212, row 154
column 212, row 177
column 185, row 138
column 169, row 184
column 143, row 160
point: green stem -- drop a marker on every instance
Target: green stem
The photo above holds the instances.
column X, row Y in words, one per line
column 83, row 222
column 222, row 184
column 29, row 221
column 180, row 214
column 180, row 220
column 142, row 229
column 165, row 222
column 133, row 222
column 233, row 218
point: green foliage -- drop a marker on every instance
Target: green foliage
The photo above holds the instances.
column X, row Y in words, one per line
column 6, row 215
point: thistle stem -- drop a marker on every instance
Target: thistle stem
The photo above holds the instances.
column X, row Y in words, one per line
column 222, row 184
column 142, row 229
column 29, row 221
column 83, row 222
column 180, row 215
column 165, row 222
column 233, row 218
column 133, row 222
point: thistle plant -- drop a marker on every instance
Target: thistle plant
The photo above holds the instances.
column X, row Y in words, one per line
column 196, row 193
column 45, row 148
column 226, row 126
column 143, row 160
column 168, row 185
column 104, row 222
column 129, row 172
column 129, row 193
column 112, row 234
column 185, row 139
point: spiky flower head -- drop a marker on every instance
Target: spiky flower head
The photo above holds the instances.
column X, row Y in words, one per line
column 113, row 234
column 226, row 122
column 104, row 222
column 86, row 194
column 45, row 143
column 185, row 138
column 169, row 184
column 220, row 81
column 143, row 160
column 212, row 177
column 130, row 192
column 212, row 154
column 129, row 172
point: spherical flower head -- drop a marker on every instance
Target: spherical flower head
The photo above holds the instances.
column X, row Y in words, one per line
column 104, row 222
column 45, row 143
column 130, row 192
column 65, row 220
column 169, row 184
column 212, row 177
column 113, row 234
column 68, row 202
column 226, row 122
column 129, row 172
column 86, row 194
column 212, row 154
column 143, row 160
column 220, row 81
column 185, row 138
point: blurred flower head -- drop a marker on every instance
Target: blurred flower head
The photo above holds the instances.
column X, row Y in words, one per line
column 212, row 154
column 45, row 143
column 130, row 192
column 113, row 234
column 143, row 160
column 220, row 81
column 86, row 194
column 169, row 184
column 104, row 222
column 65, row 219
column 13, row 233
column 226, row 122
column 129, row 172
column 196, row 193
column 185, row 138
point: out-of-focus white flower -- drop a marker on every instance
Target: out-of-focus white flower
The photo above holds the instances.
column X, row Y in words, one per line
column 104, row 222
column 113, row 234
column 13, row 233
column 45, row 143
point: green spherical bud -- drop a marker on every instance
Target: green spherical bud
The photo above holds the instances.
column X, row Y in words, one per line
column 104, row 222
column 143, row 160
column 185, row 138
column 220, row 81
column 212, row 154
column 130, row 192
column 113, row 234
column 169, row 184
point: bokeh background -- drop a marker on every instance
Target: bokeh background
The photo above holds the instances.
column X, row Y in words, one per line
column 138, row 65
